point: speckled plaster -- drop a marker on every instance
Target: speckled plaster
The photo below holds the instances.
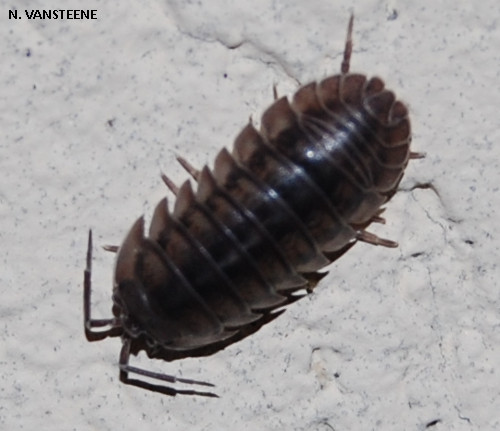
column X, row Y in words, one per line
column 92, row 112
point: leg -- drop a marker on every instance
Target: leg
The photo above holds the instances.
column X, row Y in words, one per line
column 190, row 169
column 363, row 235
column 170, row 184
column 377, row 218
column 415, row 155
column 111, row 248
column 275, row 92
column 125, row 369
column 114, row 328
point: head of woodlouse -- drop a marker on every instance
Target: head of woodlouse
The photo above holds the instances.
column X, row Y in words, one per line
column 131, row 303
column 141, row 274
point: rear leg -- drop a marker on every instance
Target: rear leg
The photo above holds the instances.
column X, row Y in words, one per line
column 370, row 238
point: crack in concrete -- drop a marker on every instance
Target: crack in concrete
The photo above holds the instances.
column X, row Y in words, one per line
column 460, row 416
column 274, row 59
column 437, row 327
column 430, row 186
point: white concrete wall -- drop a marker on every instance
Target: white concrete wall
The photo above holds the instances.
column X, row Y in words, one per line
column 392, row 339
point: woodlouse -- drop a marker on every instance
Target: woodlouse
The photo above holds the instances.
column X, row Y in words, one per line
column 288, row 201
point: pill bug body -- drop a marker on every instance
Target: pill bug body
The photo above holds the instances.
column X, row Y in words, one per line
column 289, row 200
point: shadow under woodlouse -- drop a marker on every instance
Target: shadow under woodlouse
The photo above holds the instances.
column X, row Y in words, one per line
column 288, row 201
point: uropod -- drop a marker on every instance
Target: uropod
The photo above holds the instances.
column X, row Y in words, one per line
column 289, row 199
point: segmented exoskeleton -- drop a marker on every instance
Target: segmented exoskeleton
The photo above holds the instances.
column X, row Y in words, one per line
column 289, row 200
